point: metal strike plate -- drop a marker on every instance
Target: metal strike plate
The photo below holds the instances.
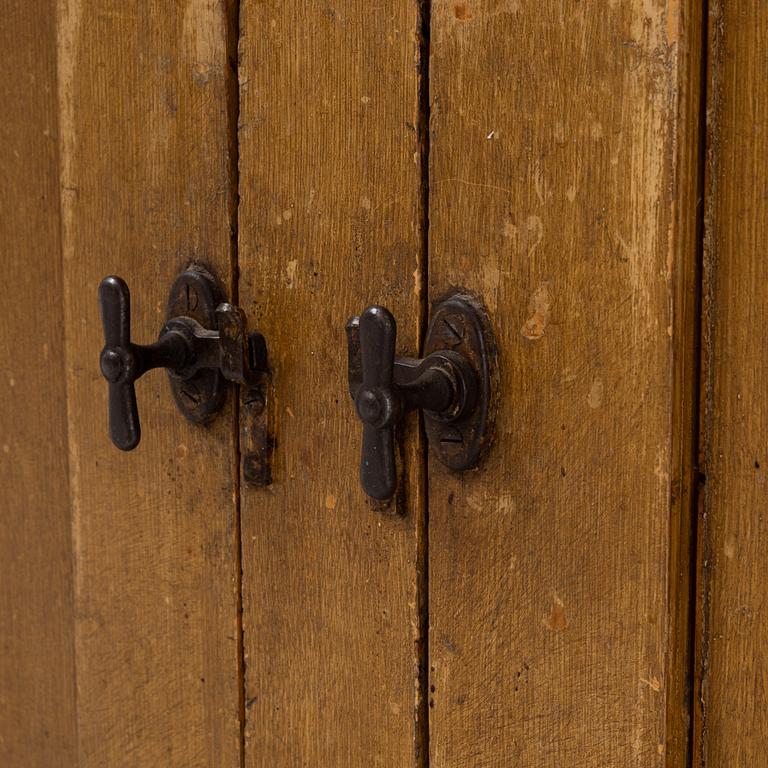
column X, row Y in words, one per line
column 195, row 294
column 460, row 324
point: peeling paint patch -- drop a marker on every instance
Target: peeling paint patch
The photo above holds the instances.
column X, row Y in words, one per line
column 653, row 683
column 557, row 620
column 539, row 307
column 462, row 12
column 417, row 281
column 535, row 225
column 201, row 73
column 290, row 272
column 491, row 279
column 661, row 467
column 596, row 394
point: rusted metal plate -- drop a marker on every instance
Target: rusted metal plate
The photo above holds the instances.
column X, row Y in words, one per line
column 460, row 324
column 195, row 293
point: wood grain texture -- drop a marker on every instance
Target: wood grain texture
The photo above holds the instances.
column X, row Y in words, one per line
column 732, row 726
column 147, row 187
column 37, row 690
column 562, row 180
column 329, row 223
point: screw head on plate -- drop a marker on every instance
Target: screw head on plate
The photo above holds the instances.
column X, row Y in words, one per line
column 452, row 329
column 460, row 325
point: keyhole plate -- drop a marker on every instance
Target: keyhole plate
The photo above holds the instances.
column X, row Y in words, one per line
column 196, row 294
column 461, row 324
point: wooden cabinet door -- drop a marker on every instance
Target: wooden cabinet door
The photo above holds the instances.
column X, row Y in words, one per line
column 535, row 610
column 562, row 185
column 171, row 606
column 120, row 613
column 331, row 219
column 37, row 691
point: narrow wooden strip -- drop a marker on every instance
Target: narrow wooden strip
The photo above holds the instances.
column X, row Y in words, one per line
column 733, row 659
column 329, row 223
column 37, row 687
column 147, row 188
column 562, row 191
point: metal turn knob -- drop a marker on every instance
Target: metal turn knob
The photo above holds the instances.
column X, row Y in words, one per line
column 198, row 356
column 122, row 362
column 450, row 385
column 378, row 404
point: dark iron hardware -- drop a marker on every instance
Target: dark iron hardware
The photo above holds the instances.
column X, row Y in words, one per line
column 202, row 344
column 451, row 385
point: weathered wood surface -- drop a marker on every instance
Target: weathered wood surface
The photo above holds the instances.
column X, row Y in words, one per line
column 732, row 728
column 329, row 222
column 147, row 186
column 37, row 691
column 562, row 190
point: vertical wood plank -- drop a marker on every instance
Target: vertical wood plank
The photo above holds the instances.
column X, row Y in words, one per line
column 733, row 659
column 562, row 188
column 37, row 690
column 329, row 223
column 147, row 187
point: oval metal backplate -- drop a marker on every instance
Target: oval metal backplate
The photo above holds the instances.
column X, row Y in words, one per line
column 461, row 324
column 196, row 294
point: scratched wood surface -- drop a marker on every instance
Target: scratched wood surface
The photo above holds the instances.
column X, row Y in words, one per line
column 733, row 659
column 147, row 186
column 37, row 693
column 329, row 222
column 562, row 190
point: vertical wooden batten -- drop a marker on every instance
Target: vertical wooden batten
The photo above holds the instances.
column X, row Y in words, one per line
column 37, row 686
column 329, row 222
column 147, row 187
column 563, row 184
column 733, row 653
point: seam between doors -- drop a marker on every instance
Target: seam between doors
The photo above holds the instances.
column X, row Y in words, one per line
column 233, row 118
column 689, row 403
column 423, row 700
column 702, row 575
